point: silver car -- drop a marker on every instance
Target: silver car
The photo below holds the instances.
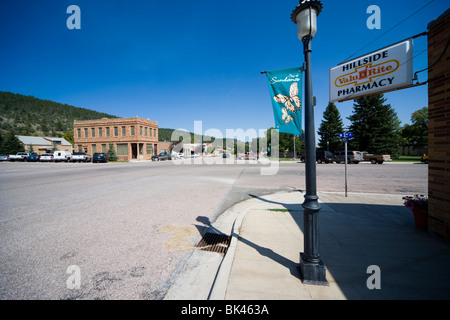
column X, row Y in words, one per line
column 46, row 157
column 352, row 157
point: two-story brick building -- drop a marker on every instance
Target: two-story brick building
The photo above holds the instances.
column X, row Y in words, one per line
column 132, row 138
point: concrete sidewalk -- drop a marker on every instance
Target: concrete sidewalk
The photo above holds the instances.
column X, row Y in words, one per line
column 356, row 232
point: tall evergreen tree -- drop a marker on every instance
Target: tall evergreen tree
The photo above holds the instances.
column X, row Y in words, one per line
column 111, row 153
column 330, row 128
column 11, row 144
column 375, row 126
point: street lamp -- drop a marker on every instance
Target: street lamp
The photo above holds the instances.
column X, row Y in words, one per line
column 312, row 269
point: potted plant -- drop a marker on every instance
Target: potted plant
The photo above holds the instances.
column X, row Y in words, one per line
column 419, row 207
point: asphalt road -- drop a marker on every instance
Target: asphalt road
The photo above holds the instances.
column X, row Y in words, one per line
column 123, row 230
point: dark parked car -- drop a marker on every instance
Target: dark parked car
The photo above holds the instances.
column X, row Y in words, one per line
column 99, row 157
column 33, row 158
column 321, row 156
column 162, row 156
column 324, row 156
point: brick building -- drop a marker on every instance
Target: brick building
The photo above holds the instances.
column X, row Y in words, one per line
column 132, row 138
column 439, row 125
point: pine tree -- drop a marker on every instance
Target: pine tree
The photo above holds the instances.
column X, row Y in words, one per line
column 11, row 144
column 375, row 126
column 111, row 153
column 330, row 128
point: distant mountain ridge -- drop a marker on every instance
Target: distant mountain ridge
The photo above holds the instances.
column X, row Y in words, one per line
column 30, row 116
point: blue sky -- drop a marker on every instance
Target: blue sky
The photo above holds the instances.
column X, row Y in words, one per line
column 182, row 61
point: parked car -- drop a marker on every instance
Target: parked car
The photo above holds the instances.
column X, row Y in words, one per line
column 352, row 157
column 20, row 156
column 81, row 157
column 65, row 156
column 162, row 156
column 46, row 157
column 251, row 156
column 33, row 158
column 324, row 156
column 178, row 155
column 424, row 158
column 321, row 156
column 376, row 158
column 4, row 157
column 99, row 157
column 247, row 156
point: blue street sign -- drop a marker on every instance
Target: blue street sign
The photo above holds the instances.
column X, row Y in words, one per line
column 346, row 135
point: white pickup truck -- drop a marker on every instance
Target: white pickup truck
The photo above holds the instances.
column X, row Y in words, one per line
column 20, row 156
column 81, row 157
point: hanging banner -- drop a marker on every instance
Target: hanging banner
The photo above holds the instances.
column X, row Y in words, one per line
column 381, row 71
column 285, row 87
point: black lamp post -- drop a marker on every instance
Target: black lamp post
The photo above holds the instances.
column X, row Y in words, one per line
column 312, row 269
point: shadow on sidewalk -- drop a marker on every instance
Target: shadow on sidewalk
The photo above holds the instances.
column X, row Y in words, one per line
column 269, row 253
column 354, row 236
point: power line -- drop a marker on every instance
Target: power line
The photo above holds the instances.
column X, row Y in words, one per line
column 417, row 11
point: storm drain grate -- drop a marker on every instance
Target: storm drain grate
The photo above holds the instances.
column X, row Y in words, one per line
column 214, row 242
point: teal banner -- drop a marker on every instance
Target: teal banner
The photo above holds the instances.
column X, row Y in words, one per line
column 285, row 87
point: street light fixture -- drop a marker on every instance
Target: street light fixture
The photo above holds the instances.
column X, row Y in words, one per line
column 312, row 269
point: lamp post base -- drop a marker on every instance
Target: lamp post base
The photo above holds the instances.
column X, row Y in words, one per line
column 312, row 273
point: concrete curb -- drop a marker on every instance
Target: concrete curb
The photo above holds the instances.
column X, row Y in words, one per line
column 220, row 284
column 219, row 287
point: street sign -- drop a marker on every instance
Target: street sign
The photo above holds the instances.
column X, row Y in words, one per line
column 346, row 135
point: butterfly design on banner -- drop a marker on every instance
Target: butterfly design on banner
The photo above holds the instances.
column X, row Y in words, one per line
column 285, row 87
column 286, row 117
column 293, row 92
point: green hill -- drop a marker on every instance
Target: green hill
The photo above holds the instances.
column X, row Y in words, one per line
column 30, row 116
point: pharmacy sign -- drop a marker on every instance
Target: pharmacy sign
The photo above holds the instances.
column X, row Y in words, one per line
column 387, row 69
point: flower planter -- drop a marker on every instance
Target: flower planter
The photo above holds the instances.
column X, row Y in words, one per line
column 421, row 219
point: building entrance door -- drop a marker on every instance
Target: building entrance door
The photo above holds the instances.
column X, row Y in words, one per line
column 134, row 151
column 141, row 151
